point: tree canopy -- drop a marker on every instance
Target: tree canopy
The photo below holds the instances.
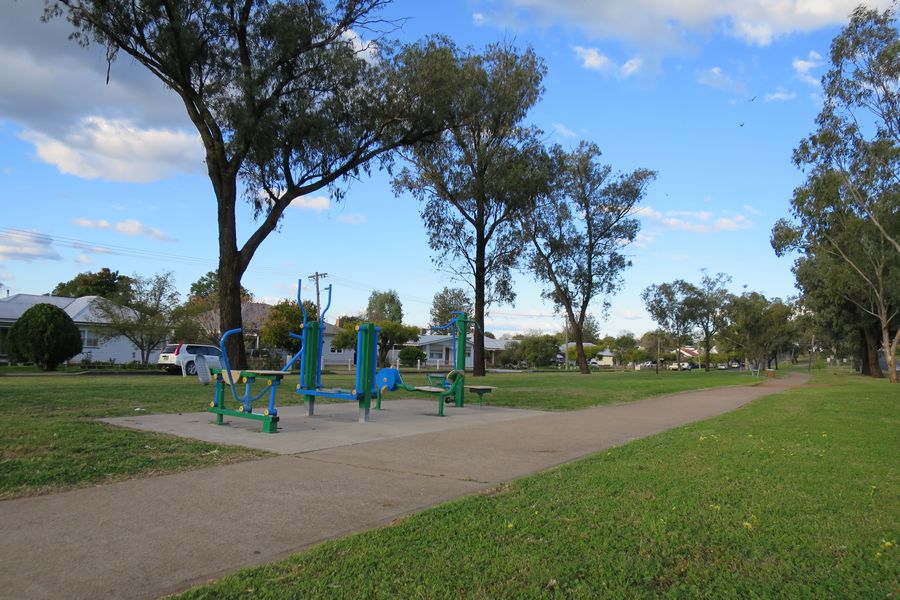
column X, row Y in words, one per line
column 448, row 301
column 384, row 306
column 146, row 317
column 283, row 95
column 473, row 179
column 849, row 205
column 578, row 231
column 669, row 306
column 104, row 283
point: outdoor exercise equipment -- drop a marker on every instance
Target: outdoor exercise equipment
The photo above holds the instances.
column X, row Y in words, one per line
column 449, row 387
column 231, row 378
column 310, row 386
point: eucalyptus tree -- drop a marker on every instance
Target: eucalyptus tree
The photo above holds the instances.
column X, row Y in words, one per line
column 473, row 179
column 858, row 136
column 448, row 301
column 849, row 205
column 578, row 231
column 285, row 101
column 670, row 306
column 758, row 327
column 707, row 306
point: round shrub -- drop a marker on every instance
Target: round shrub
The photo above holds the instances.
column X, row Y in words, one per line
column 44, row 335
column 410, row 354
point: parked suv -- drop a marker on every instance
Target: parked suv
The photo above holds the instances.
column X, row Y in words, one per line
column 176, row 358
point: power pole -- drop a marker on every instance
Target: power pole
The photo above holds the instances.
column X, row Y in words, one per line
column 316, row 277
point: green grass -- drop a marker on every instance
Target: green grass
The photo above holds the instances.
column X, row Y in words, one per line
column 562, row 390
column 793, row 496
column 49, row 439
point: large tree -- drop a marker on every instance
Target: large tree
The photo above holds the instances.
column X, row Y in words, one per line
column 757, row 327
column 44, row 335
column 474, row 178
column 146, row 317
column 707, row 305
column 285, row 100
column 849, row 205
column 670, row 307
column 104, row 283
column 578, row 231
column 858, row 135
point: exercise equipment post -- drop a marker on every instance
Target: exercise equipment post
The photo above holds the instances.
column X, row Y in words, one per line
column 312, row 339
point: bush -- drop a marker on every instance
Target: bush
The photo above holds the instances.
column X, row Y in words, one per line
column 410, row 354
column 46, row 336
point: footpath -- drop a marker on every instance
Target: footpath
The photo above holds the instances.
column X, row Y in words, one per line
column 148, row 537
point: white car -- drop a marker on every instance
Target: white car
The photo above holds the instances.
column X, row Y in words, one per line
column 683, row 366
column 176, row 358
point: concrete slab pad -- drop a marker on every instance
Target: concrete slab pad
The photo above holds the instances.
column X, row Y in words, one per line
column 332, row 426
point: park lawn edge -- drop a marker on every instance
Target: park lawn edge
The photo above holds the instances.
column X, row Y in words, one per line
column 865, row 565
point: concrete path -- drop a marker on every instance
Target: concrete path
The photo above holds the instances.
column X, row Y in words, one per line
column 148, row 537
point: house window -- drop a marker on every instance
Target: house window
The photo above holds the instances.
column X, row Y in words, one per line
column 89, row 339
column 435, row 355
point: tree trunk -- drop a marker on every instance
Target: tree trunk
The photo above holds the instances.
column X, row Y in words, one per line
column 706, row 345
column 871, row 367
column 578, row 332
column 478, row 333
column 890, row 348
column 231, row 268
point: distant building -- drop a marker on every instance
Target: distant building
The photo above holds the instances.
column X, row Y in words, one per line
column 94, row 347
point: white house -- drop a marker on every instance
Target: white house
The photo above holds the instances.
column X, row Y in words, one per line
column 440, row 349
column 118, row 348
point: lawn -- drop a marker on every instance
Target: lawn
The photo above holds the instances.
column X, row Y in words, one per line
column 49, row 440
column 794, row 495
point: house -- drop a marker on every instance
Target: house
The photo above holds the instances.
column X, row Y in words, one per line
column 80, row 310
column 440, row 349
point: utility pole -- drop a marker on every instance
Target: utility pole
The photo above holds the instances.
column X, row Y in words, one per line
column 316, row 277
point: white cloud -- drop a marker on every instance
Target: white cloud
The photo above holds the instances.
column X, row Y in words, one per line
column 718, row 79
column 592, row 59
column 100, row 224
column 134, row 227
column 702, row 221
column 316, row 203
column 664, row 25
column 367, row 50
column 752, row 210
column 563, row 131
column 643, row 239
column 352, row 219
column 27, row 246
column 84, row 259
column 632, row 66
column 88, row 249
column 802, row 68
column 779, row 95
column 7, row 171
column 629, row 315
column 478, row 19
column 118, row 150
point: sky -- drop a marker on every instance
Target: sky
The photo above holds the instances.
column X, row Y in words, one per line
column 712, row 94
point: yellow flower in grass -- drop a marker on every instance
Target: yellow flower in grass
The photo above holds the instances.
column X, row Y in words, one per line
column 510, row 525
column 887, row 545
column 748, row 525
column 715, row 507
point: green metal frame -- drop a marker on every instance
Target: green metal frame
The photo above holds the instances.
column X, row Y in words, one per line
column 217, row 406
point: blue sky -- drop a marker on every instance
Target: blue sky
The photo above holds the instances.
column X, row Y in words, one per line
column 712, row 94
